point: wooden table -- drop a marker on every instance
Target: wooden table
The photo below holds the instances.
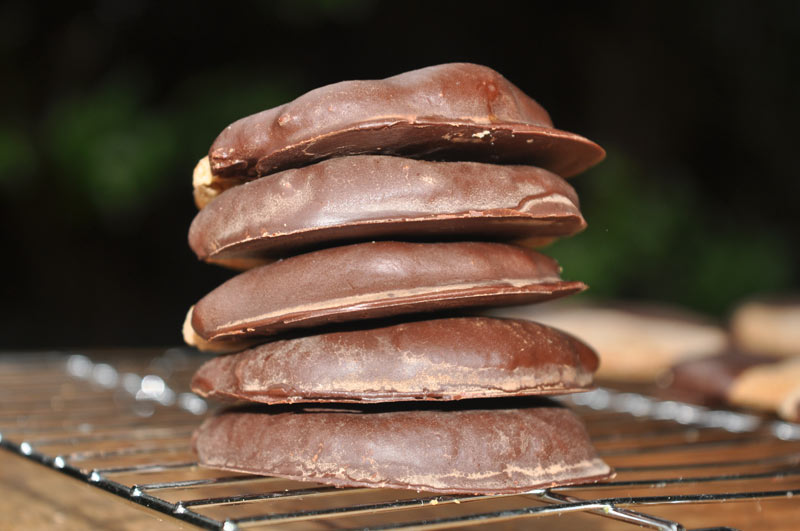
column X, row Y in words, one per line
column 33, row 497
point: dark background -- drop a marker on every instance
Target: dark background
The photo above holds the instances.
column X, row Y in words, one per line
column 105, row 107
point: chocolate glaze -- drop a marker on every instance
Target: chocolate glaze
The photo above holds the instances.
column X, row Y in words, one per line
column 379, row 197
column 478, row 447
column 377, row 279
column 441, row 359
column 707, row 380
column 455, row 111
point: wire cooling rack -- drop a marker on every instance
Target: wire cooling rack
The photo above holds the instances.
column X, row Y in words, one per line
column 123, row 424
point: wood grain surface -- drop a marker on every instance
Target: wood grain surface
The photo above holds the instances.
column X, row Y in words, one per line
column 33, row 497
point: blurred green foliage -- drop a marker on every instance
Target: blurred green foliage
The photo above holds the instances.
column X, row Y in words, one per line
column 116, row 151
column 18, row 161
column 109, row 147
column 652, row 235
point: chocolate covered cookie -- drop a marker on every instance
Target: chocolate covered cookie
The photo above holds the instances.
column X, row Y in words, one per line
column 371, row 197
column 440, row 359
column 371, row 280
column 454, row 111
column 473, row 447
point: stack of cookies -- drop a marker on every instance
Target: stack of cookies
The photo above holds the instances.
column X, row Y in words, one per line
column 371, row 217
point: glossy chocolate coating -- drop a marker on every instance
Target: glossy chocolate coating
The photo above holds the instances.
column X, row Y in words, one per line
column 440, row 359
column 454, row 111
column 478, row 447
column 377, row 197
column 377, row 279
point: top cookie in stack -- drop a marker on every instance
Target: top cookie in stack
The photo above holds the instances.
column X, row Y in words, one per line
column 446, row 112
column 385, row 202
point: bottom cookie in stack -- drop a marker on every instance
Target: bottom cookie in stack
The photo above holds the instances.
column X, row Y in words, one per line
column 499, row 440
column 470, row 447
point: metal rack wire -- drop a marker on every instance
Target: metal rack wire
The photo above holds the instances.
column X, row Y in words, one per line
column 123, row 425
